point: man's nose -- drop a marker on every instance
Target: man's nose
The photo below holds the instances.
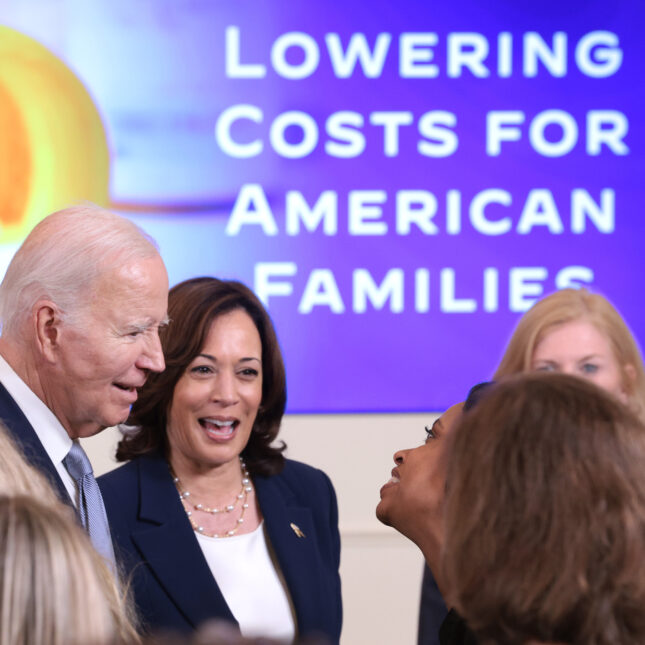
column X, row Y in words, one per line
column 152, row 356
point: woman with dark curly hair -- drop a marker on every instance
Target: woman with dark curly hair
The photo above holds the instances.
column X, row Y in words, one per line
column 208, row 515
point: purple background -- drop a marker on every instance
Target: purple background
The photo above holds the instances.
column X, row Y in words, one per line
column 157, row 73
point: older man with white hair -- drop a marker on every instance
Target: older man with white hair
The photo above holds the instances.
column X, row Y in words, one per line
column 80, row 306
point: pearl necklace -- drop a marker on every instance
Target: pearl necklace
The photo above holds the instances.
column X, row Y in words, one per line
column 188, row 504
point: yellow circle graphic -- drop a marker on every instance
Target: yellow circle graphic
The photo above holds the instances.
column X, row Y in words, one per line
column 53, row 147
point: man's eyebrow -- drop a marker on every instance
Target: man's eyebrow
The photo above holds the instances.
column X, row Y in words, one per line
column 148, row 324
column 152, row 323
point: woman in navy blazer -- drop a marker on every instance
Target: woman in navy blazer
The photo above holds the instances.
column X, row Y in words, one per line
column 208, row 517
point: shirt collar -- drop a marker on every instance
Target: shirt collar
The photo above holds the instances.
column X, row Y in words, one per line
column 49, row 429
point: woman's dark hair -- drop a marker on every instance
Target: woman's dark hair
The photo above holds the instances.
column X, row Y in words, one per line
column 193, row 305
column 476, row 393
column 545, row 515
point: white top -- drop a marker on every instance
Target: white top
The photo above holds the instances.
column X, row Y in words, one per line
column 51, row 433
column 250, row 584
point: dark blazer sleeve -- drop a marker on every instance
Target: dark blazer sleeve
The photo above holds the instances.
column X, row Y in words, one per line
column 172, row 585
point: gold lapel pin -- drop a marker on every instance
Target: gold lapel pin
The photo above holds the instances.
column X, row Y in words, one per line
column 296, row 529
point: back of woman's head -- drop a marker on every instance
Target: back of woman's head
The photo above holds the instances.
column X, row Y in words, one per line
column 569, row 305
column 545, row 515
column 54, row 588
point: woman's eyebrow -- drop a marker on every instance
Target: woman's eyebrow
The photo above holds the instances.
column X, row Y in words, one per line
column 212, row 358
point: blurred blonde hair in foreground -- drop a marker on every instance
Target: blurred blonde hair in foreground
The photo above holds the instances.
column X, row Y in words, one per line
column 54, row 588
column 17, row 477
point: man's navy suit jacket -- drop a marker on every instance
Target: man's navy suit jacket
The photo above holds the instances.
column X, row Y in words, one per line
column 25, row 436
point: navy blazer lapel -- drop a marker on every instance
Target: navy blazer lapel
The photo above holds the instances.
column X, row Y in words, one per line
column 24, row 434
column 293, row 538
column 169, row 546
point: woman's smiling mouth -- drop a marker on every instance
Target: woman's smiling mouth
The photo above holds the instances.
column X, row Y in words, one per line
column 219, row 429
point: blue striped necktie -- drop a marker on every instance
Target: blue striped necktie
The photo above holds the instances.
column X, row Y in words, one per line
column 90, row 503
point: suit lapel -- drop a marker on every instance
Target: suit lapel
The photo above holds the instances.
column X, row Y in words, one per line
column 293, row 538
column 168, row 543
column 24, row 434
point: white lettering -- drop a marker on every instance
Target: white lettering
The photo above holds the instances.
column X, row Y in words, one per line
column 554, row 58
column 603, row 215
column 504, row 54
column 573, row 277
column 391, row 122
column 309, row 129
column 450, row 304
column 371, row 62
column 524, row 287
column 500, row 127
column 469, row 50
column 325, row 210
column 440, row 140
column 553, row 148
column 251, row 207
column 309, row 49
column 491, row 290
column 422, row 291
column 350, row 142
column 608, row 127
column 415, row 54
column 264, row 287
column 223, row 131
column 478, row 216
column 365, row 289
column 608, row 56
column 364, row 210
column 453, row 212
column 321, row 291
column 416, row 207
column 234, row 68
column 540, row 210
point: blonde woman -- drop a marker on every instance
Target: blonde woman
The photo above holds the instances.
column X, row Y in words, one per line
column 580, row 333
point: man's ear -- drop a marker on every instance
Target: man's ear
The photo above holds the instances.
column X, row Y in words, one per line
column 47, row 322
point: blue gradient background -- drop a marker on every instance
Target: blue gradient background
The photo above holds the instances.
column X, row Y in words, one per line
column 157, row 73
